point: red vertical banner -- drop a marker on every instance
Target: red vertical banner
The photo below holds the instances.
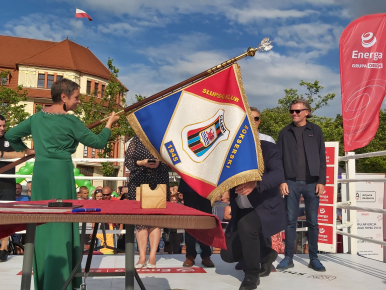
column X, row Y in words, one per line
column 363, row 78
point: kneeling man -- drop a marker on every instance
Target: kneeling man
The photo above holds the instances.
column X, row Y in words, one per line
column 257, row 212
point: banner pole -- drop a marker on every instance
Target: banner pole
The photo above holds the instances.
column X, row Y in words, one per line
column 75, row 25
column 265, row 45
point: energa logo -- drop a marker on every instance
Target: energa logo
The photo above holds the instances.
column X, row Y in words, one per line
column 368, row 39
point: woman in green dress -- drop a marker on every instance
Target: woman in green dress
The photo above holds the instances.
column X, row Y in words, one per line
column 56, row 136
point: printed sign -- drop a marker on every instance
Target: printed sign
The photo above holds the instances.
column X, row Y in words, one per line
column 325, row 234
column 328, row 196
column 366, row 196
column 325, row 214
column 330, row 175
column 330, row 155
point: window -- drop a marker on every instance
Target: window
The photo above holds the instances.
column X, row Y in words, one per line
column 4, row 81
column 40, row 106
column 41, row 80
column 96, row 89
column 85, row 151
column 50, row 81
column 58, row 78
column 88, row 90
column 86, row 170
column 103, row 91
column 93, row 153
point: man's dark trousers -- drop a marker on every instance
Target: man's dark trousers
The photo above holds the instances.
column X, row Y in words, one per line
column 247, row 242
column 311, row 200
column 194, row 200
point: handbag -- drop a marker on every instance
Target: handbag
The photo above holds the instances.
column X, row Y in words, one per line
column 166, row 236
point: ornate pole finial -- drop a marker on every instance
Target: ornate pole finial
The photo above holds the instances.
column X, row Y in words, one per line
column 265, row 45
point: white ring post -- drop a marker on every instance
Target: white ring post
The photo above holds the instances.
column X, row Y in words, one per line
column 352, row 214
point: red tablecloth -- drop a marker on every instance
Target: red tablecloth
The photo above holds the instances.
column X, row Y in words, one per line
column 212, row 237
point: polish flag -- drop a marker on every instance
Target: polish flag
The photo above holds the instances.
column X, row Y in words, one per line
column 81, row 14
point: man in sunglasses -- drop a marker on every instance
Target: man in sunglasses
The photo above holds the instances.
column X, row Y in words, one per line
column 304, row 162
column 256, row 117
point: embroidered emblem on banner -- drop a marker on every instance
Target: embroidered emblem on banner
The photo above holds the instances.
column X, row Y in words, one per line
column 200, row 139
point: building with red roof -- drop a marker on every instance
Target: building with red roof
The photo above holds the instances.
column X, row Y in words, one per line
column 36, row 64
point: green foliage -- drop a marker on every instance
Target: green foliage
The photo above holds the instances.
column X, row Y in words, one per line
column 374, row 164
column 312, row 95
column 10, row 106
column 94, row 108
column 275, row 119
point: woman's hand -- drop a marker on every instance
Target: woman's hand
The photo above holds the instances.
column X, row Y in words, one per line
column 113, row 118
column 148, row 164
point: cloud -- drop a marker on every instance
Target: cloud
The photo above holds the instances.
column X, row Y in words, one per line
column 265, row 76
column 315, row 38
column 247, row 15
column 39, row 26
column 119, row 29
column 174, row 10
column 355, row 9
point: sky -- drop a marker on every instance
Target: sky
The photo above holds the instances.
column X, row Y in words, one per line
column 156, row 44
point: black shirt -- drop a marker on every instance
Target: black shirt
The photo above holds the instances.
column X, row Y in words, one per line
column 302, row 164
column 6, row 182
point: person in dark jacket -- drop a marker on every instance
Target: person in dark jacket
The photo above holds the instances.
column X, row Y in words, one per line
column 257, row 212
column 304, row 162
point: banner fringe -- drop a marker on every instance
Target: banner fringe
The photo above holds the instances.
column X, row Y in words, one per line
column 133, row 121
column 235, row 180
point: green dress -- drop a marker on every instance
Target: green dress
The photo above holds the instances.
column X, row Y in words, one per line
column 55, row 138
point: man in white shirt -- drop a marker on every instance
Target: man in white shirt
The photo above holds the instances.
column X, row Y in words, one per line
column 256, row 117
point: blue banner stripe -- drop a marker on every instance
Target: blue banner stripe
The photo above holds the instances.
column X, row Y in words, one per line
column 194, row 140
column 242, row 154
column 203, row 151
column 163, row 110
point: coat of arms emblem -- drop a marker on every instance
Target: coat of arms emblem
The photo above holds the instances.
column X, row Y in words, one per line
column 200, row 139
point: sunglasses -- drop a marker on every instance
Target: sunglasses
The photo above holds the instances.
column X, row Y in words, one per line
column 98, row 191
column 106, row 194
column 257, row 119
column 297, row 111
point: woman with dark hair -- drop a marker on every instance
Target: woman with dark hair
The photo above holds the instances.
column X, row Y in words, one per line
column 145, row 169
column 56, row 135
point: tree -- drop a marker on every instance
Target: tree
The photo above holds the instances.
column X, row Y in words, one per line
column 275, row 119
column 312, row 95
column 93, row 109
column 374, row 164
column 10, row 99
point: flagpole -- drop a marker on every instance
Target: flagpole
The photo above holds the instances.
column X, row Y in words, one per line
column 265, row 45
column 75, row 25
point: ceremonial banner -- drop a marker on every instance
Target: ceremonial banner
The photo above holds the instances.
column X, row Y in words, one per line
column 205, row 132
column 363, row 78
